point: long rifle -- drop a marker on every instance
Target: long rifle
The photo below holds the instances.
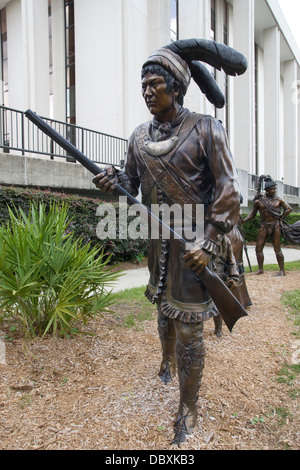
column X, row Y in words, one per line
column 228, row 306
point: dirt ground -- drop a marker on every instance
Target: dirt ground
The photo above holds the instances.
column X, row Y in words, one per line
column 102, row 392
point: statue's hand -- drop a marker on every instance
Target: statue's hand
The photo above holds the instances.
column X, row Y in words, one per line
column 106, row 180
column 197, row 260
column 232, row 282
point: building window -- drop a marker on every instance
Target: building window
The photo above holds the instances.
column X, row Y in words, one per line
column 225, row 40
column 5, row 133
column 213, row 37
column 256, row 111
column 225, row 22
column 70, row 72
column 213, row 20
column 70, row 62
column 174, row 20
column 4, row 58
column 50, row 60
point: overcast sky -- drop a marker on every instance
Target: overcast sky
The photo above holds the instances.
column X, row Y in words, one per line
column 291, row 11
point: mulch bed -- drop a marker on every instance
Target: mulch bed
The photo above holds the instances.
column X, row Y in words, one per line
column 102, row 391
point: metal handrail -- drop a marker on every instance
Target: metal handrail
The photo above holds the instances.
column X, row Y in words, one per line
column 289, row 190
column 19, row 134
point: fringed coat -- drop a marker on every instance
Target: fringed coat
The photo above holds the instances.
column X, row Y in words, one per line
column 198, row 170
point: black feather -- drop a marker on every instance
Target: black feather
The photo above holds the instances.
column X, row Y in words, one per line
column 207, row 84
column 215, row 54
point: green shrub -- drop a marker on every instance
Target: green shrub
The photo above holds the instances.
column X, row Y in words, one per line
column 50, row 280
column 252, row 226
column 82, row 211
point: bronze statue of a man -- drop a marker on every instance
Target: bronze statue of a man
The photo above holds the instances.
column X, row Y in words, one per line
column 180, row 157
column 270, row 208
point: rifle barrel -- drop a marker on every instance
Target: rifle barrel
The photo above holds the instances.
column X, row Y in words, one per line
column 93, row 168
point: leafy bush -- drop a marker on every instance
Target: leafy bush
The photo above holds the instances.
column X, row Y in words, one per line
column 291, row 299
column 83, row 223
column 251, row 228
column 50, row 280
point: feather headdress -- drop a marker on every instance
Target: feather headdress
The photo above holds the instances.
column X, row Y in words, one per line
column 184, row 59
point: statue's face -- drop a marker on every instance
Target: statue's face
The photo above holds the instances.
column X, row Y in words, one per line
column 271, row 191
column 158, row 101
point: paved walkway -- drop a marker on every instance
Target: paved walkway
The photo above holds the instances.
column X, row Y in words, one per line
column 139, row 277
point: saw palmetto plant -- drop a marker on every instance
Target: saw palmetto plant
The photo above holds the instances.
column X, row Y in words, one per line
column 49, row 281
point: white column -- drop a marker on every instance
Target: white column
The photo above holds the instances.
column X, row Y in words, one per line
column 109, row 60
column 297, row 99
column 230, row 84
column 134, row 25
column 290, row 123
column 260, row 115
column 220, row 75
column 272, row 101
column 195, row 22
column 36, row 54
column 244, row 86
column 17, row 81
column 28, row 55
column 195, row 19
column 99, row 65
column 158, row 24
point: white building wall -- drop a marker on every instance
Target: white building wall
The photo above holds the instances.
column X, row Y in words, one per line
column 282, row 138
column 231, row 98
column 195, row 22
column 290, row 149
column 219, row 37
column 113, row 38
column 272, row 102
column 297, row 103
column 109, row 57
column 134, row 26
column 98, row 62
column 28, row 53
column 244, row 86
column 260, row 114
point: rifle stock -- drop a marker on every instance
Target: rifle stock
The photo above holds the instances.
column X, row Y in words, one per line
column 228, row 306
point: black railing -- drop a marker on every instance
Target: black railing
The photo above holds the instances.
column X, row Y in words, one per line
column 253, row 181
column 290, row 190
column 17, row 133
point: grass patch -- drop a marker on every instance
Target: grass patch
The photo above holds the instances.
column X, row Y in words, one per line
column 291, row 300
column 289, row 372
column 289, row 266
column 133, row 308
column 136, row 293
column 288, row 375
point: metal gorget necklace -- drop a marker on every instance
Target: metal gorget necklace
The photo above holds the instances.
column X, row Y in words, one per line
column 160, row 148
